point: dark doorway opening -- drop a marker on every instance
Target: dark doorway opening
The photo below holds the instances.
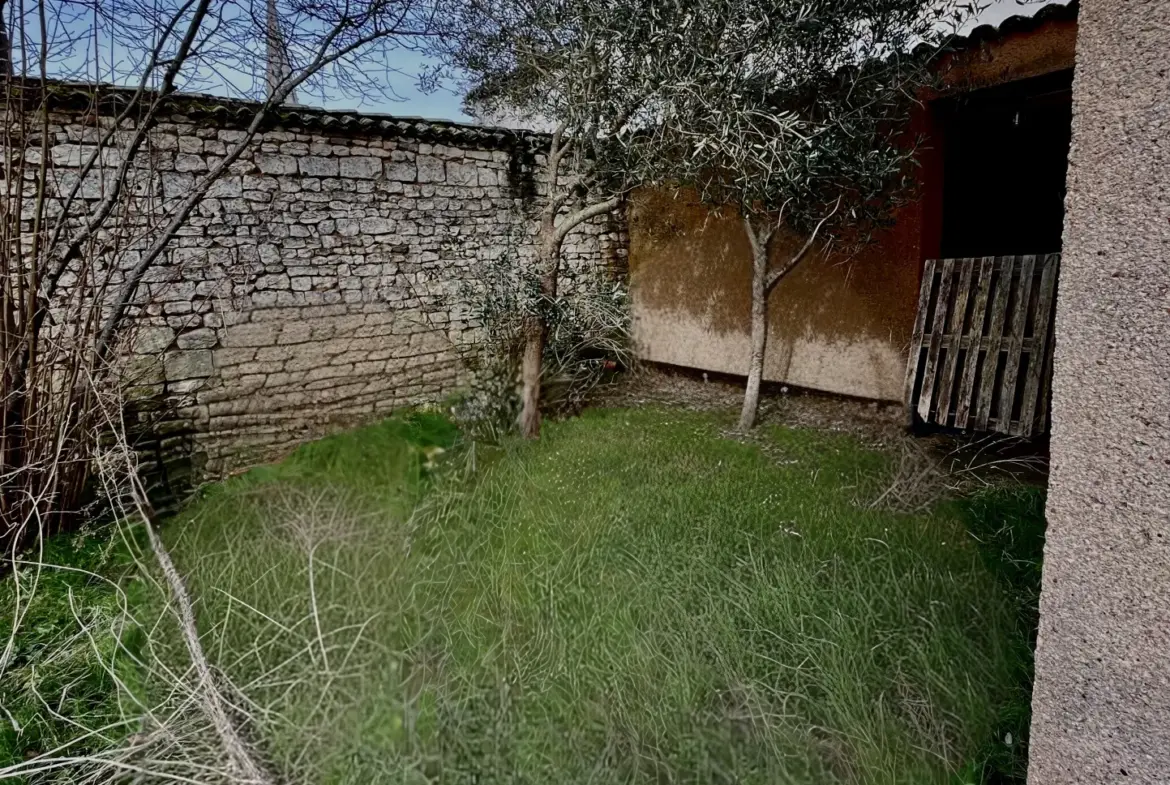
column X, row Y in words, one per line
column 1005, row 157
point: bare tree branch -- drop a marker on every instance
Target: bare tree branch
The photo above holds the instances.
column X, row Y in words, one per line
column 71, row 219
column 179, row 216
column 776, row 276
column 144, row 126
column 572, row 221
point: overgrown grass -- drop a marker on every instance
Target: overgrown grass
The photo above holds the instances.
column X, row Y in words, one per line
column 66, row 653
column 635, row 598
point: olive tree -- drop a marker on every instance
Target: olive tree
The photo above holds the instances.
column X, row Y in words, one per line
column 580, row 68
column 794, row 113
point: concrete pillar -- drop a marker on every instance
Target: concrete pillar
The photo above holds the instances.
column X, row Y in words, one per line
column 1101, row 706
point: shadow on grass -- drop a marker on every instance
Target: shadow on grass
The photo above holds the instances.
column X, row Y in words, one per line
column 1008, row 524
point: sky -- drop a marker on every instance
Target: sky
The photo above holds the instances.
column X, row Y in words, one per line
column 404, row 66
column 446, row 103
column 442, row 104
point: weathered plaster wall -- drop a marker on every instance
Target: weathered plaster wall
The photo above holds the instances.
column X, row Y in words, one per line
column 835, row 324
column 838, row 325
column 325, row 279
column 1101, row 704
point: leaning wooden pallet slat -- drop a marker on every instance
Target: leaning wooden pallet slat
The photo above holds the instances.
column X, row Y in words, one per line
column 946, row 384
column 1034, row 413
column 994, row 335
column 916, row 338
column 926, row 397
column 975, row 332
column 1014, row 344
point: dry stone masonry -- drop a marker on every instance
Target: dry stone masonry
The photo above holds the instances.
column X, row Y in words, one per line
column 323, row 282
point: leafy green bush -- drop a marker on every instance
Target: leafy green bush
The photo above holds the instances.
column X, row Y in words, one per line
column 588, row 342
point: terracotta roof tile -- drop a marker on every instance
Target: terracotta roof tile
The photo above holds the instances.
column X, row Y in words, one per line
column 1016, row 24
column 67, row 96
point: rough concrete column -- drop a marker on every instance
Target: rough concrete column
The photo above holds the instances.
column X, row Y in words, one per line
column 1102, row 697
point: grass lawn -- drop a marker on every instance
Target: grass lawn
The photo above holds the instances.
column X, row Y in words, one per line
column 635, row 598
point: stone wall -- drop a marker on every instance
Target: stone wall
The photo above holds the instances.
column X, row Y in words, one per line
column 324, row 281
column 1101, row 705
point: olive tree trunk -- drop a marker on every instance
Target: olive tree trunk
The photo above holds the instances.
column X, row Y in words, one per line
column 759, row 335
column 763, row 282
column 550, row 239
column 536, row 332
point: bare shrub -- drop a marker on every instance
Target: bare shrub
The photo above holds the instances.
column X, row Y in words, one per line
column 928, row 470
column 85, row 220
column 160, row 709
column 83, row 224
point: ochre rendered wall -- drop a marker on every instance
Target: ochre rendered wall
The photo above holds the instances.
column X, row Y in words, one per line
column 839, row 325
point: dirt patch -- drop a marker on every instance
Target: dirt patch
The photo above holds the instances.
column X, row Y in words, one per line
column 869, row 421
column 927, row 467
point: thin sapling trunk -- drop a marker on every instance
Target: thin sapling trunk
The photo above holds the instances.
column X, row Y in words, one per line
column 550, row 240
column 764, row 281
column 761, row 242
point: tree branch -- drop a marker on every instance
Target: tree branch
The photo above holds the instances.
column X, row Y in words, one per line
column 555, row 204
column 134, row 278
column 145, row 124
column 760, row 240
column 556, row 151
column 573, row 220
column 777, row 275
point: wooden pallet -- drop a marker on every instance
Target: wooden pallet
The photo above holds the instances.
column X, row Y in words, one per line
column 981, row 355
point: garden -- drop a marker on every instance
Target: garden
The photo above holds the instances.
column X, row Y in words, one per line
column 641, row 596
column 545, row 581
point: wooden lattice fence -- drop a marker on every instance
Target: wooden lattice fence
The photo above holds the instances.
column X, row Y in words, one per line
column 981, row 356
